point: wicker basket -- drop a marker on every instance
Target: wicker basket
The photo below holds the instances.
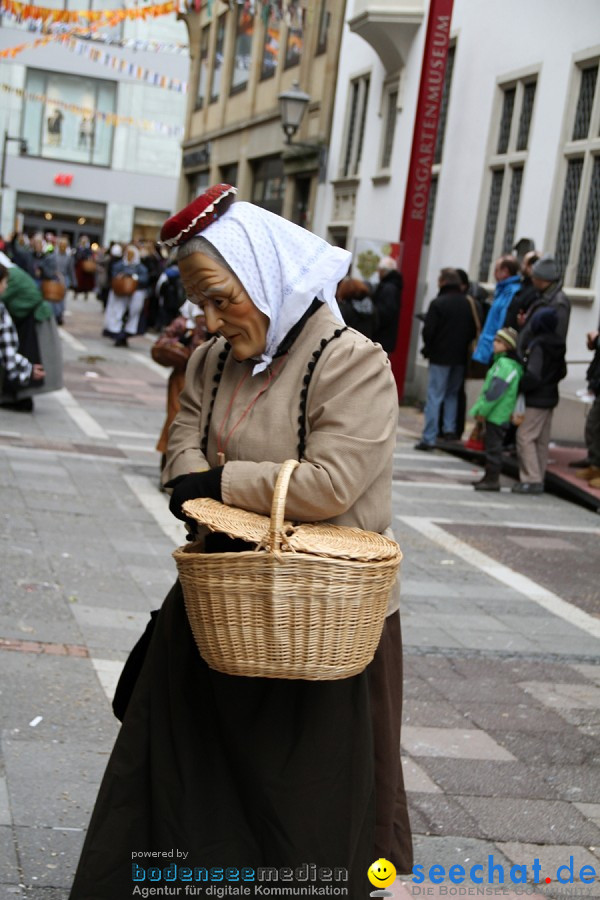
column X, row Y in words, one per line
column 88, row 265
column 309, row 602
column 53, row 290
column 124, row 285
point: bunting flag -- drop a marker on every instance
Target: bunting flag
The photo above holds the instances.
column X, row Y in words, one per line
column 111, row 119
column 117, row 63
column 27, row 12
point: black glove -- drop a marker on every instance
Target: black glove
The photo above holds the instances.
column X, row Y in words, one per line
column 192, row 486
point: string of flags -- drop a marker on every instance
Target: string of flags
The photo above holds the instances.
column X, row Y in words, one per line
column 111, row 119
column 25, row 12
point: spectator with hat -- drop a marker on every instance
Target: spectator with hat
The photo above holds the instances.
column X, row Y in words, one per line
column 496, row 403
column 545, row 367
column 545, row 277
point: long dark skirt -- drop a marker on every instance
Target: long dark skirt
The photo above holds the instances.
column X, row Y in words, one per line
column 235, row 772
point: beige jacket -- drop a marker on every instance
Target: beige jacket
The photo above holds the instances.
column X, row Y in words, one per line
column 345, row 475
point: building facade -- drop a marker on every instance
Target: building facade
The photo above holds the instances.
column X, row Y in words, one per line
column 103, row 139
column 517, row 155
column 243, row 55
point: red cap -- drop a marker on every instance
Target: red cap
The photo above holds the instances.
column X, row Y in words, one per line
column 198, row 215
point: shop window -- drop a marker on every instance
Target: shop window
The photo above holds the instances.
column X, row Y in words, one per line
column 68, row 117
column 242, row 54
column 203, row 70
column 268, row 187
column 218, row 62
column 271, row 44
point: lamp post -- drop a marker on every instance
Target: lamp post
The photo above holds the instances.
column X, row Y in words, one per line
column 292, row 104
column 22, row 151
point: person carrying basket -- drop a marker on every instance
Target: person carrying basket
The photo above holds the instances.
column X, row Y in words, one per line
column 300, row 777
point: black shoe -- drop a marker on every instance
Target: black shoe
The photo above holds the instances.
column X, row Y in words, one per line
column 528, row 487
column 449, row 436
column 580, row 463
column 121, row 341
column 487, row 485
column 24, row 405
column 422, row 445
column 59, row 320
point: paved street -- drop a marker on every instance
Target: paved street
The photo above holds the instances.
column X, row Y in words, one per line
column 501, row 620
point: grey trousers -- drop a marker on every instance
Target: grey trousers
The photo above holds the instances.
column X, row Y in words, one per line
column 592, row 432
column 533, row 437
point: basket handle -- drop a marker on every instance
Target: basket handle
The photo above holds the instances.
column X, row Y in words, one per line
column 278, row 504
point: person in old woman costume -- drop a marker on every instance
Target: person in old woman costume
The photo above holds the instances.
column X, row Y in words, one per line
column 251, row 772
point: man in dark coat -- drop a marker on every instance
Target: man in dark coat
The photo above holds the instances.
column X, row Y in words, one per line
column 525, row 296
column 545, row 277
column 545, row 367
column 386, row 300
column 590, row 466
column 448, row 330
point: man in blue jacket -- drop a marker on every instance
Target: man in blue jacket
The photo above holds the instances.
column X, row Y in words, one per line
column 508, row 282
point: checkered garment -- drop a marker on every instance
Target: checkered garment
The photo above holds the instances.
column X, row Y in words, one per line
column 17, row 370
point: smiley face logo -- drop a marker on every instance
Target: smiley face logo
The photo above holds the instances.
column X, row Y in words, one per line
column 381, row 873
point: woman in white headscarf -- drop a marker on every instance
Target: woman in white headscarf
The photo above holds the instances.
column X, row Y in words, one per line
column 122, row 316
column 250, row 772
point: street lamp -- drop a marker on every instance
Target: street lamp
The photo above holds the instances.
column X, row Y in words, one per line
column 22, row 151
column 292, row 104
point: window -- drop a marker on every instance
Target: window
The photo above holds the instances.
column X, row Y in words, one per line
column 390, row 114
column 578, row 226
column 70, row 121
column 243, row 49
column 215, row 86
column 355, row 127
column 271, row 44
column 295, row 32
column 506, row 166
column 203, row 70
column 324, row 18
column 198, row 183
column 268, row 186
column 229, row 174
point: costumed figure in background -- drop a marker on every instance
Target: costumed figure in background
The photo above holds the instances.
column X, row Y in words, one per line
column 263, row 771
column 173, row 349
column 39, row 340
column 85, row 267
column 123, row 310
column 65, row 267
column 16, row 372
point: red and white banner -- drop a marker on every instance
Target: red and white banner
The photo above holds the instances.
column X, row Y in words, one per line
column 419, row 174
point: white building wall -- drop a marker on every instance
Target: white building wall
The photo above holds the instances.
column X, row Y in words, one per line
column 494, row 40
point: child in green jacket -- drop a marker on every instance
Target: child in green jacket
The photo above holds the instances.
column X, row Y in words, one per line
column 496, row 403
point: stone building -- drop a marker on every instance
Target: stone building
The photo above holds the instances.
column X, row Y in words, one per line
column 243, row 56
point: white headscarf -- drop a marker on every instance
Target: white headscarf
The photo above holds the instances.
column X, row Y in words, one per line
column 282, row 267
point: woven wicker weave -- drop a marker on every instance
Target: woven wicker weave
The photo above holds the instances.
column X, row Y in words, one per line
column 309, row 603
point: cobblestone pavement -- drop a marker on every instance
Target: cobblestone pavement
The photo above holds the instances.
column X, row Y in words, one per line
column 500, row 617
